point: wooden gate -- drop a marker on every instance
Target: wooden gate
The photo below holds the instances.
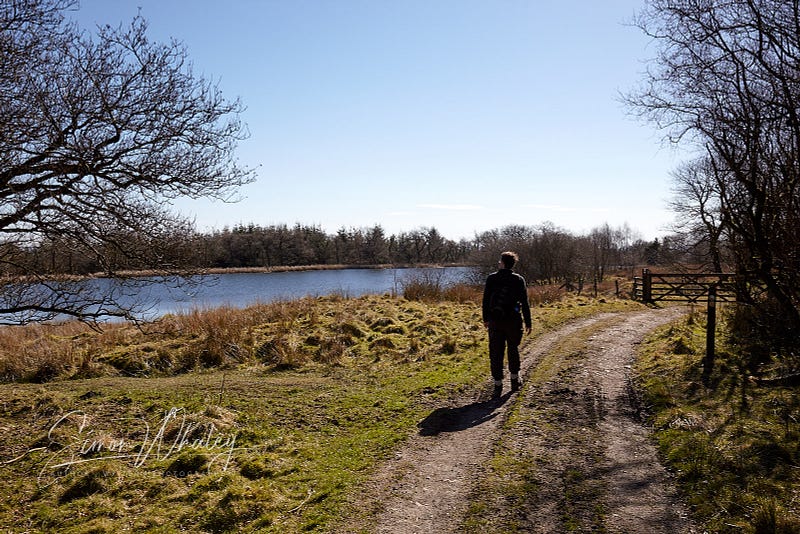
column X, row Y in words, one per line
column 685, row 287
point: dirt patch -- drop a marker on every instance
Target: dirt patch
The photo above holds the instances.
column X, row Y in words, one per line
column 564, row 455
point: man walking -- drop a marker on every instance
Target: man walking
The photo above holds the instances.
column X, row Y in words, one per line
column 505, row 305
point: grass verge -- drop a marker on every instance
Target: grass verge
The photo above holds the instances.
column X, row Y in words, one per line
column 733, row 444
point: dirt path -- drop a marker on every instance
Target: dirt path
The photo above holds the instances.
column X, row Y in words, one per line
column 581, row 460
column 643, row 499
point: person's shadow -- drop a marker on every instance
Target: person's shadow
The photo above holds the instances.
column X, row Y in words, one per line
column 461, row 417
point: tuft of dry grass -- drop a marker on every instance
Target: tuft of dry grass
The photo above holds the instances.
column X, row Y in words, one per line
column 290, row 334
column 42, row 352
column 174, row 343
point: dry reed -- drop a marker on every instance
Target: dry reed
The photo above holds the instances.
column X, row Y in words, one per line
column 284, row 333
column 202, row 337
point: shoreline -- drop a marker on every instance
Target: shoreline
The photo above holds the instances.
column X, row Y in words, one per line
column 200, row 271
column 329, row 267
column 280, row 269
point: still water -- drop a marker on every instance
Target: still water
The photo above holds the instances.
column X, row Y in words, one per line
column 151, row 298
column 242, row 289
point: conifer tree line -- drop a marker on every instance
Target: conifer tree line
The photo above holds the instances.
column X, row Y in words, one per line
column 549, row 254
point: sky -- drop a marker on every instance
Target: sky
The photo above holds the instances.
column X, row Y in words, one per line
column 463, row 115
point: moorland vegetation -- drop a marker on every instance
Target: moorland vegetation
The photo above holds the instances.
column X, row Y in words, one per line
column 263, row 419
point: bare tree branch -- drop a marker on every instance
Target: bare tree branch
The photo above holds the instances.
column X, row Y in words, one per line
column 727, row 78
column 100, row 132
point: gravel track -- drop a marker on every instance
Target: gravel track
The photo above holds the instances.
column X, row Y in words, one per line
column 427, row 487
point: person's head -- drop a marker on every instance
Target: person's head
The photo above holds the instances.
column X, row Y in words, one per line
column 508, row 259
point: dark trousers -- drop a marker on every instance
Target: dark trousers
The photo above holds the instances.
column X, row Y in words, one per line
column 502, row 335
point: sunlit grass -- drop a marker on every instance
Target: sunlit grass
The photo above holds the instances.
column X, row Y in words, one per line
column 326, row 388
column 734, row 445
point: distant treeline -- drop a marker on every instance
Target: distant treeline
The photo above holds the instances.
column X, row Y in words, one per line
column 281, row 245
column 548, row 254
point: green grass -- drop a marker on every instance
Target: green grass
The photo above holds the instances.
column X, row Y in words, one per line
column 734, row 444
column 271, row 426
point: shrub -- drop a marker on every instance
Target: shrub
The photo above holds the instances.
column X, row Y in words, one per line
column 541, row 295
column 463, row 294
column 425, row 290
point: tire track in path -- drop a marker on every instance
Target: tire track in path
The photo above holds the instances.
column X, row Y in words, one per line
column 641, row 496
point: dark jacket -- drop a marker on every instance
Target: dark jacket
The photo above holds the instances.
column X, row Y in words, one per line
column 517, row 291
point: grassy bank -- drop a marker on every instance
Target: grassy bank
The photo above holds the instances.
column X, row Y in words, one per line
column 266, row 419
column 733, row 444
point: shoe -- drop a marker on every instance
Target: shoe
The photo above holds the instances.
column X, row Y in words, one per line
column 516, row 384
column 497, row 392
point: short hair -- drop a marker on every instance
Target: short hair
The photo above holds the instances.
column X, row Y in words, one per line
column 509, row 259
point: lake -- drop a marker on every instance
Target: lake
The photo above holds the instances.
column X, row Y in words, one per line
column 152, row 298
column 242, row 289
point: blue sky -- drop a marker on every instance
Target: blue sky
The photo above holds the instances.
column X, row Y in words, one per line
column 464, row 115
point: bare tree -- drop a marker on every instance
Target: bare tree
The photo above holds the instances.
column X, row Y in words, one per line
column 99, row 133
column 696, row 203
column 726, row 78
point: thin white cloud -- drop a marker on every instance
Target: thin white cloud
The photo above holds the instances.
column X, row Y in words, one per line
column 451, row 207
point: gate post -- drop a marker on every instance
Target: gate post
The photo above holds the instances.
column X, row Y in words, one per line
column 647, row 281
column 711, row 327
